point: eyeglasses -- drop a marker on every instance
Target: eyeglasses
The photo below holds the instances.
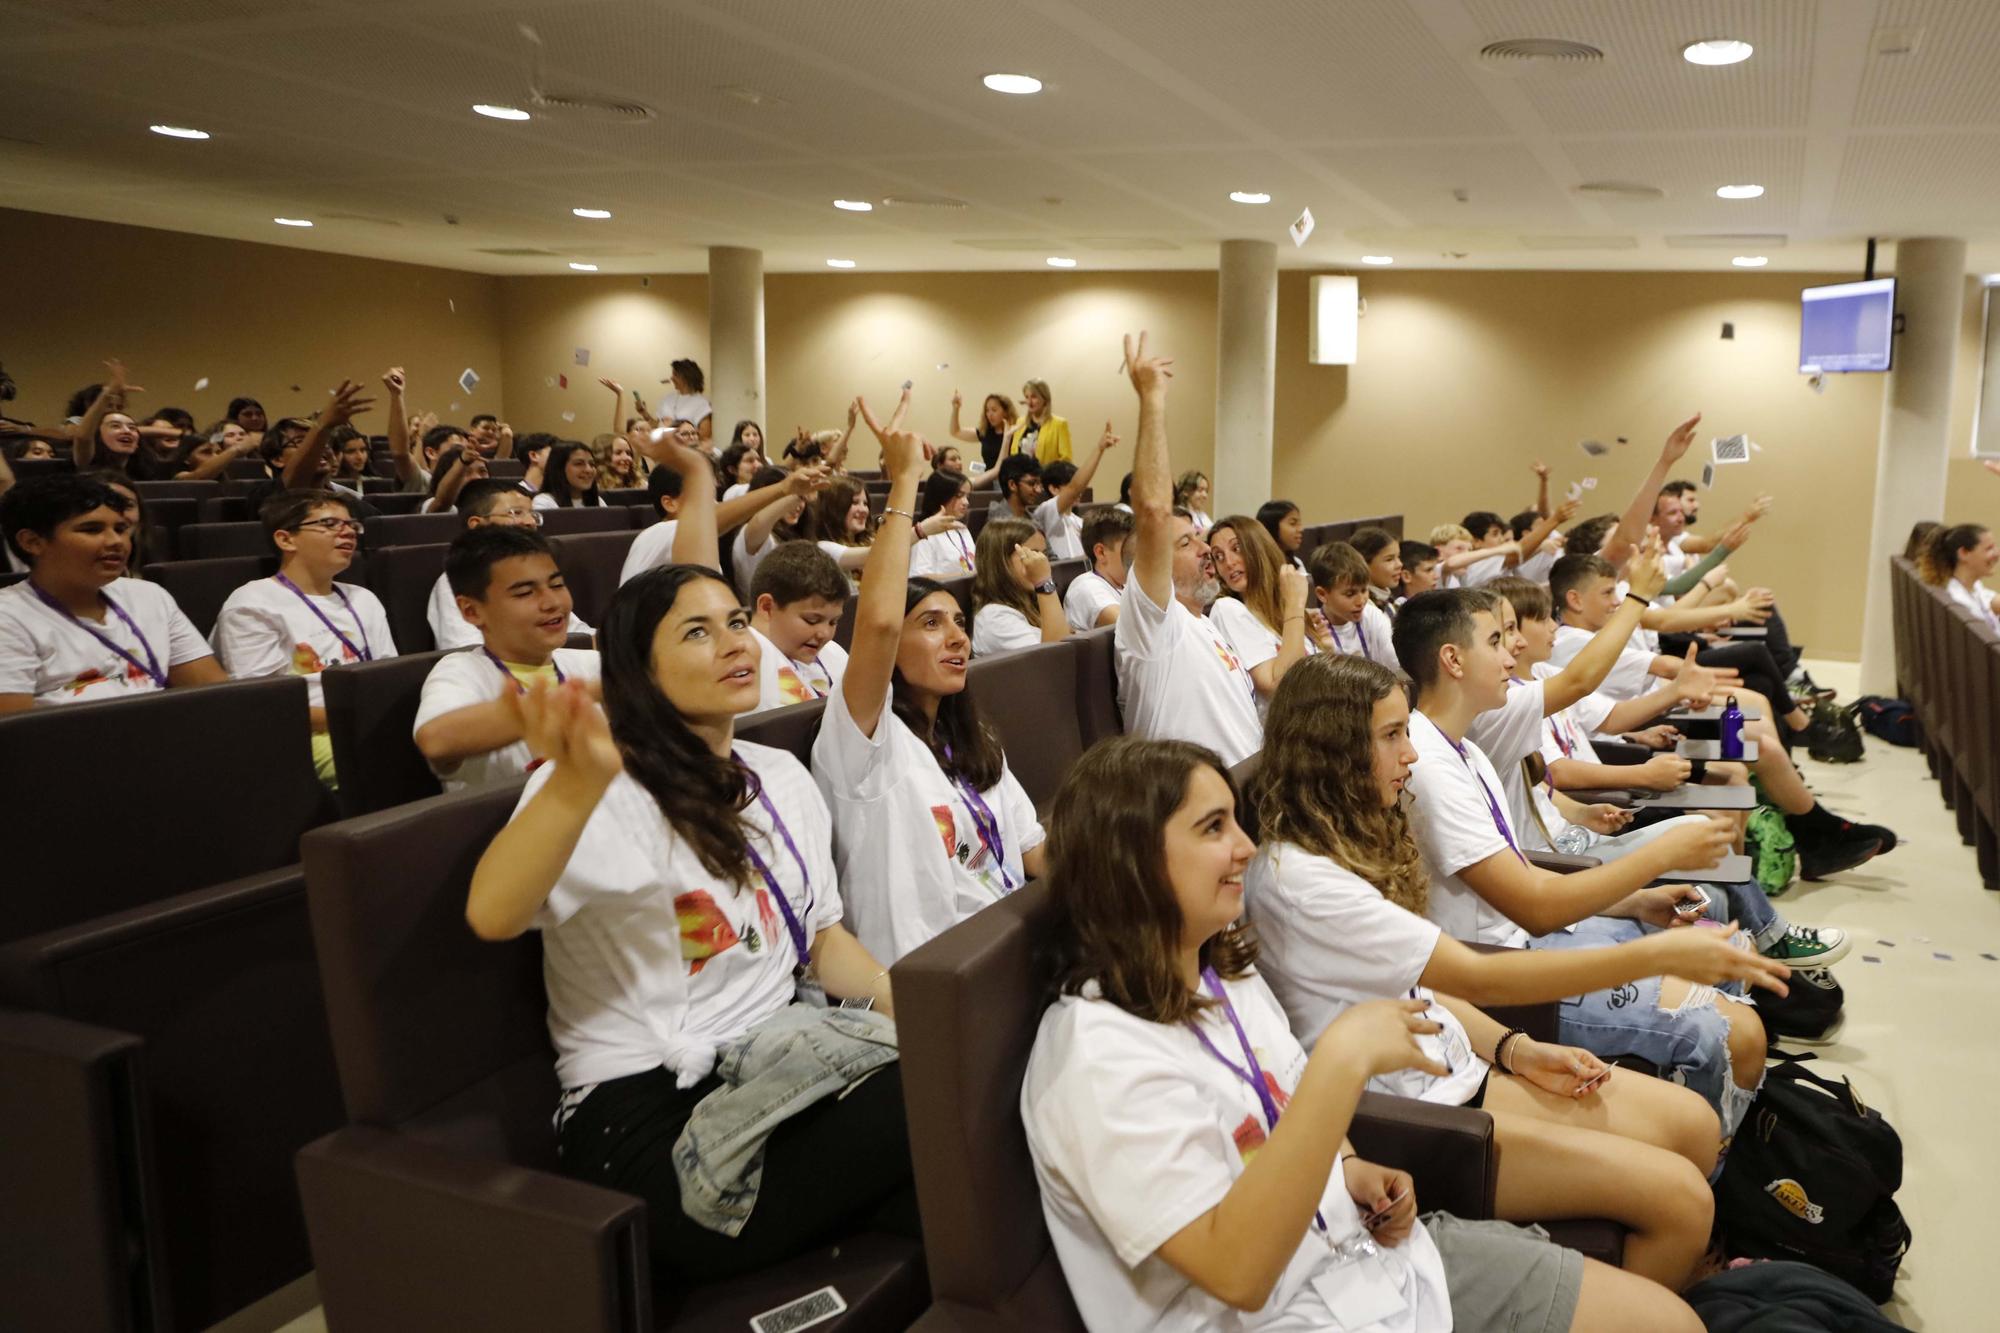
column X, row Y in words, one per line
column 521, row 518
column 336, row 526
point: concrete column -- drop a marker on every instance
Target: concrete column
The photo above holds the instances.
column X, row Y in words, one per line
column 735, row 337
column 1916, row 413
column 1246, row 359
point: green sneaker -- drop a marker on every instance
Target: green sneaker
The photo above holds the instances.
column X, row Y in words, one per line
column 1810, row 946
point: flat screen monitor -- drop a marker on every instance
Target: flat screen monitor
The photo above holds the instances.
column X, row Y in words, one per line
column 1848, row 326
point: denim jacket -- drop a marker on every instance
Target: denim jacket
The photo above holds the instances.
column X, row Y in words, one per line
column 796, row 1057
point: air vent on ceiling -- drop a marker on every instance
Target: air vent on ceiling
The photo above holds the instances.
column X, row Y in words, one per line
column 1741, row 241
column 922, row 201
column 1125, row 243
column 1539, row 53
column 594, row 108
column 520, row 252
column 1010, row 245
column 749, row 96
column 1896, row 41
column 362, row 217
column 1630, row 191
column 1579, row 242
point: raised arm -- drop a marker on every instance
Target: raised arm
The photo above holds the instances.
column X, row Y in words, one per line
column 1073, row 489
column 695, row 533
column 110, row 398
column 885, row 579
column 218, row 463
column 1632, row 523
column 1152, row 475
column 1532, row 539
column 401, row 453
column 958, row 432
column 466, row 465
column 1587, row 670
column 1541, row 488
column 347, row 403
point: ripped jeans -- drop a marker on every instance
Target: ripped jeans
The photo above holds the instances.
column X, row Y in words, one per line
column 1689, row 1044
column 1745, row 902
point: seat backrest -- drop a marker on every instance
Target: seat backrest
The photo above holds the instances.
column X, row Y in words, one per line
column 212, row 784
column 207, row 541
column 402, row 578
column 172, row 512
column 507, row 469
column 1243, row 773
column 1064, row 572
column 1028, row 697
column 149, row 490
column 410, row 530
column 591, row 562
column 202, row 586
column 226, row 509
column 434, row 1030
column 967, row 1007
column 789, row 728
column 397, row 502
column 370, row 710
column 626, row 497
column 1097, row 713
column 598, row 518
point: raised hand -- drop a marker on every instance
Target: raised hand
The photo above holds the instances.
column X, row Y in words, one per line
column 1541, row 469
column 563, row 727
column 612, row 385
column 1034, row 566
column 666, row 448
column 1149, row 374
column 807, row 481
column 957, row 400
column 902, row 448
column 115, row 379
column 1678, row 442
column 1108, row 440
column 1294, row 586
column 1991, row 465
column 1567, row 510
column 1644, row 573
column 347, row 403
column 392, row 380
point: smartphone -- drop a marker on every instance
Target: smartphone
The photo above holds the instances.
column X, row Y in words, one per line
column 1690, row 908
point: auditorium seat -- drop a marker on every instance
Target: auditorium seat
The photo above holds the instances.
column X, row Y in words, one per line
column 591, row 563
column 193, row 490
column 168, row 514
column 440, row 1206
column 371, row 708
column 202, row 586
column 410, row 530
column 627, row 496
column 396, row 502
column 1028, row 697
column 1064, row 573
column 790, row 728
column 402, row 577
column 1097, row 684
column 207, row 541
column 600, row 518
column 226, row 509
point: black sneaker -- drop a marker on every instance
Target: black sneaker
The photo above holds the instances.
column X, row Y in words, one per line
column 1823, row 853
column 1881, row 833
column 1803, row 686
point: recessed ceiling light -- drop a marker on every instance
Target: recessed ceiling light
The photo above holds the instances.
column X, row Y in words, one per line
column 1250, row 196
column 1750, row 261
column 500, row 112
column 854, row 205
column 583, row 268
column 1018, row 84
column 1717, row 51
column 840, row 263
column 1378, row 260
column 595, row 213
column 178, row 132
column 293, row 222
column 1739, row 192
column 1061, row 261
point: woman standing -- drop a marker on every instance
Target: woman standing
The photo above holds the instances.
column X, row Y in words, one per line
column 1040, row 432
column 996, row 420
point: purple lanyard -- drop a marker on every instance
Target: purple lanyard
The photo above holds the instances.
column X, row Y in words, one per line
column 964, row 549
column 792, row 923
column 1492, row 806
column 1360, row 633
column 362, row 652
column 811, row 684
column 519, row 688
column 151, row 666
column 1249, row 1071
column 986, row 825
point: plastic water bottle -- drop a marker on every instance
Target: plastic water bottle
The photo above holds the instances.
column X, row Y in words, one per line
column 1732, row 730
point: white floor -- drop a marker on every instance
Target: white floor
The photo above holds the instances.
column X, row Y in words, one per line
column 1912, row 1041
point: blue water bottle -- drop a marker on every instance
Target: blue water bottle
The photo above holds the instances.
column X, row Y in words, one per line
column 1732, row 730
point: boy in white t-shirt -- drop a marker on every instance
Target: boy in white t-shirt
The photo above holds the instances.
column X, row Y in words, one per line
column 299, row 622
column 1420, row 570
column 1355, row 624
column 489, row 501
column 796, row 602
column 654, row 546
column 1066, row 482
column 1092, row 599
column 77, row 630
column 510, row 589
column 1177, row 677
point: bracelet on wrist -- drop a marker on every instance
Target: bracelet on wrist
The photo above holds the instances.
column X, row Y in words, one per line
column 891, row 509
column 1500, row 1048
column 1644, row 603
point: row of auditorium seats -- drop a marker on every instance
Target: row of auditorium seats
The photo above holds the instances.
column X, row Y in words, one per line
column 1319, row 534
column 1948, row 668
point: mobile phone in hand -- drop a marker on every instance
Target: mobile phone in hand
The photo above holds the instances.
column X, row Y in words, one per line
column 1690, row 908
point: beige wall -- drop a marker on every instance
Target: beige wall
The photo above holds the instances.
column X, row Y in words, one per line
column 253, row 320
column 631, row 333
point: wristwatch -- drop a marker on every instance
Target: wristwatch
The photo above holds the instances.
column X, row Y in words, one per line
column 1046, row 587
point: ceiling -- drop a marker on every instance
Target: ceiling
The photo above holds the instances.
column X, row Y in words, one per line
column 1859, row 117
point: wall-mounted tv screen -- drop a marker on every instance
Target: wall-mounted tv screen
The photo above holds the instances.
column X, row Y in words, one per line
column 1848, row 326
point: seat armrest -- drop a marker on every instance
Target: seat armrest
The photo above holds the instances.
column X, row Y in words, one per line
column 1448, row 1150
column 407, row 1236
column 1621, row 797
column 1561, row 862
column 1620, row 752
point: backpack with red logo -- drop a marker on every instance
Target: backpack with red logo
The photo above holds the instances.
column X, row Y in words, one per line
column 1811, row 1175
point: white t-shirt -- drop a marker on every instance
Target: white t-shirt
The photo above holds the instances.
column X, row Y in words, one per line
column 1631, row 675
column 999, row 629
column 1507, row 735
column 1482, row 571
column 45, row 653
column 449, row 629
column 1063, row 531
column 1328, row 939
column 1373, row 637
column 1137, row 1130
column 943, row 555
column 676, row 406
column 1178, row 678
column 1253, row 642
column 266, row 629
column 653, row 546
column 743, row 560
column 463, row 679
column 905, row 887
column 1976, row 599
column 1455, row 828
column 1535, row 569
column 1088, row 596
column 741, row 488
column 649, row 960
column 783, row 681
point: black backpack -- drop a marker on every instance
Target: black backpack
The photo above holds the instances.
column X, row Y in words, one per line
column 1836, row 736
column 1780, row 1297
column 1891, row 720
column 1811, row 1175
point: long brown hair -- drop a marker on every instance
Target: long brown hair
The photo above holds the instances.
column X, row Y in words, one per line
column 1262, row 562
column 993, row 581
column 1316, row 786
column 1939, row 561
column 826, row 517
column 1117, row 920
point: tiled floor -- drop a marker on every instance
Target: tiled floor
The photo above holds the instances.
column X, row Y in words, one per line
column 1913, row 1041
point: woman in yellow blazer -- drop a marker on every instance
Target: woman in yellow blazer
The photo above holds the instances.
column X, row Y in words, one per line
column 1039, row 431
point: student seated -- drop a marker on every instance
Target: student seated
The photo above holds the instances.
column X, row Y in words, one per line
column 300, row 455
column 944, row 547
column 1192, row 1156
column 776, row 517
column 1281, row 518
column 1386, row 565
column 1093, row 596
column 1020, row 489
column 77, row 630
column 489, row 502
column 299, row 621
column 1191, row 493
column 1065, row 482
column 569, row 478
column 1013, row 593
column 929, row 824
column 796, row 602
column 684, row 886
column 1337, row 896
column 511, row 592
column 1262, row 613
column 1420, row 572
column 1957, row 559
column 1178, row 678
column 1483, row 888
column 655, row 545
column 1354, row 622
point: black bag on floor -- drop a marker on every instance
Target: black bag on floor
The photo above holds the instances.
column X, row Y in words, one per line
column 1834, row 736
column 1812, row 1175
column 1891, row 720
column 1807, row 1011
column 1779, row 1297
